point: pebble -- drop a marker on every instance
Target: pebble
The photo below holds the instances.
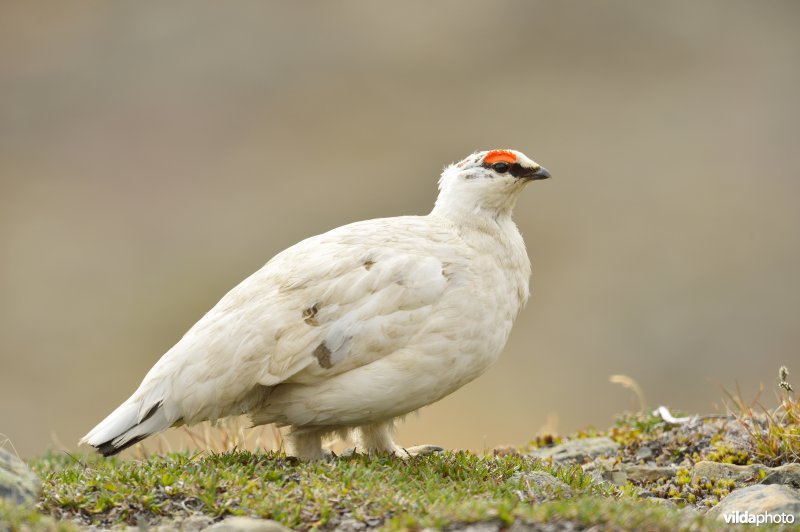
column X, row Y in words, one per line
column 641, row 473
column 788, row 474
column 644, row 453
column 247, row 524
column 578, row 451
column 719, row 470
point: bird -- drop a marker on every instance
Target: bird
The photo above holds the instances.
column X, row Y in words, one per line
column 350, row 330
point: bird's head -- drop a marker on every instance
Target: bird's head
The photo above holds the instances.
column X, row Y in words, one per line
column 486, row 181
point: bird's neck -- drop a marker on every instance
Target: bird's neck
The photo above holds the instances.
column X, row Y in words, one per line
column 483, row 226
column 462, row 209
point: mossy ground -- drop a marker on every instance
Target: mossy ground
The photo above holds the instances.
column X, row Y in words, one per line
column 445, row 490
column 440, row 490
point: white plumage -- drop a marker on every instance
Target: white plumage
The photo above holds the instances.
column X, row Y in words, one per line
column 355, row 327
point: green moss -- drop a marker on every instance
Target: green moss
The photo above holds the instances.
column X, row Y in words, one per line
column 431, row 491
column 683, row 490
column 727, row 454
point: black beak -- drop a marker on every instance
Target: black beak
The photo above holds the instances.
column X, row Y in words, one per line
column 539, row 173
column 525, row 172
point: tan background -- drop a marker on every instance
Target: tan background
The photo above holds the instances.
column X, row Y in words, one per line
column 153, row 154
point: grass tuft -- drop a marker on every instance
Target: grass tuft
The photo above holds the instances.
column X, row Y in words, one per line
column 774, row 434
column 430, row 491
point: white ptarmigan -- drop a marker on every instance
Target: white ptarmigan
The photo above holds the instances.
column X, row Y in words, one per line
column 355, row 327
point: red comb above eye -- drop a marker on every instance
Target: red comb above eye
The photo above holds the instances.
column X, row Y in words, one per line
column 500, row 156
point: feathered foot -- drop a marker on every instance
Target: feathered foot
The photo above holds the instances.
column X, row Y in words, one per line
column 376, row 439
column 305, row 445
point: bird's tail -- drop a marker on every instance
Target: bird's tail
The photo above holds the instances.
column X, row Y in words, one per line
column 126, row 426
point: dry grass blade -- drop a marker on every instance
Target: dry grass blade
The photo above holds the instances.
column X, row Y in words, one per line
column 630, row 384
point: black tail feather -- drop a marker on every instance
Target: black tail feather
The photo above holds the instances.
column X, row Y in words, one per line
column 109, row 449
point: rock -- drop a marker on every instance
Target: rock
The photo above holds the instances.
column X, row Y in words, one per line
column 480, row 527
column 646, row 474
column 657, row 501
column 597, row 477
column 557, row 525
column 247, row 524
column 18, row 483
column 727, row 471
column 602, row 464
column 541, row 484
column 616, row 477
column 599, row 468
column 350, row 525
column 577, row 450
column 787, row 474
column 644, row 453
column 192, row 523
column 758, row 499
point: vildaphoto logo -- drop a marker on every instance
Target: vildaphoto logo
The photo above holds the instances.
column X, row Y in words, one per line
column 763, row 518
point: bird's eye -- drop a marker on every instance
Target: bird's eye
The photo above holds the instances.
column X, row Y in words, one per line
column 501, row 168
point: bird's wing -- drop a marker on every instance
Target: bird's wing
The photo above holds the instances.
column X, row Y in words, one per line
column 326, row 305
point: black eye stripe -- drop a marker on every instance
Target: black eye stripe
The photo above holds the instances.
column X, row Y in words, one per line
column 516, row 170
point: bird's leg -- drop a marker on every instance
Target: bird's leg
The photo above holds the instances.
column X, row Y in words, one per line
column 305, row 445
column 377, row 439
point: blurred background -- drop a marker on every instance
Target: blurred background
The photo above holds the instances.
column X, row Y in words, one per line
column 153, row 154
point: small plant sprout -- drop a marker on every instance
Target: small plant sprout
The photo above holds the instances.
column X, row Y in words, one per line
column 783, row 376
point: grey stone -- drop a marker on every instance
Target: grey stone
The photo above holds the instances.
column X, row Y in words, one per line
column 788, row 474
column 657, row 501
column 577, row 450
column 192, row 523
column 540, row 483
column 727, row 471
column 480, row 527
column 616, row 477
column 18, row 483
column 553, row 526
column 598, row 477
column 641, row 473
column 758, row 499
column 350, row 525
column 247, row 524
column 644, row 453
column 600, row 464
